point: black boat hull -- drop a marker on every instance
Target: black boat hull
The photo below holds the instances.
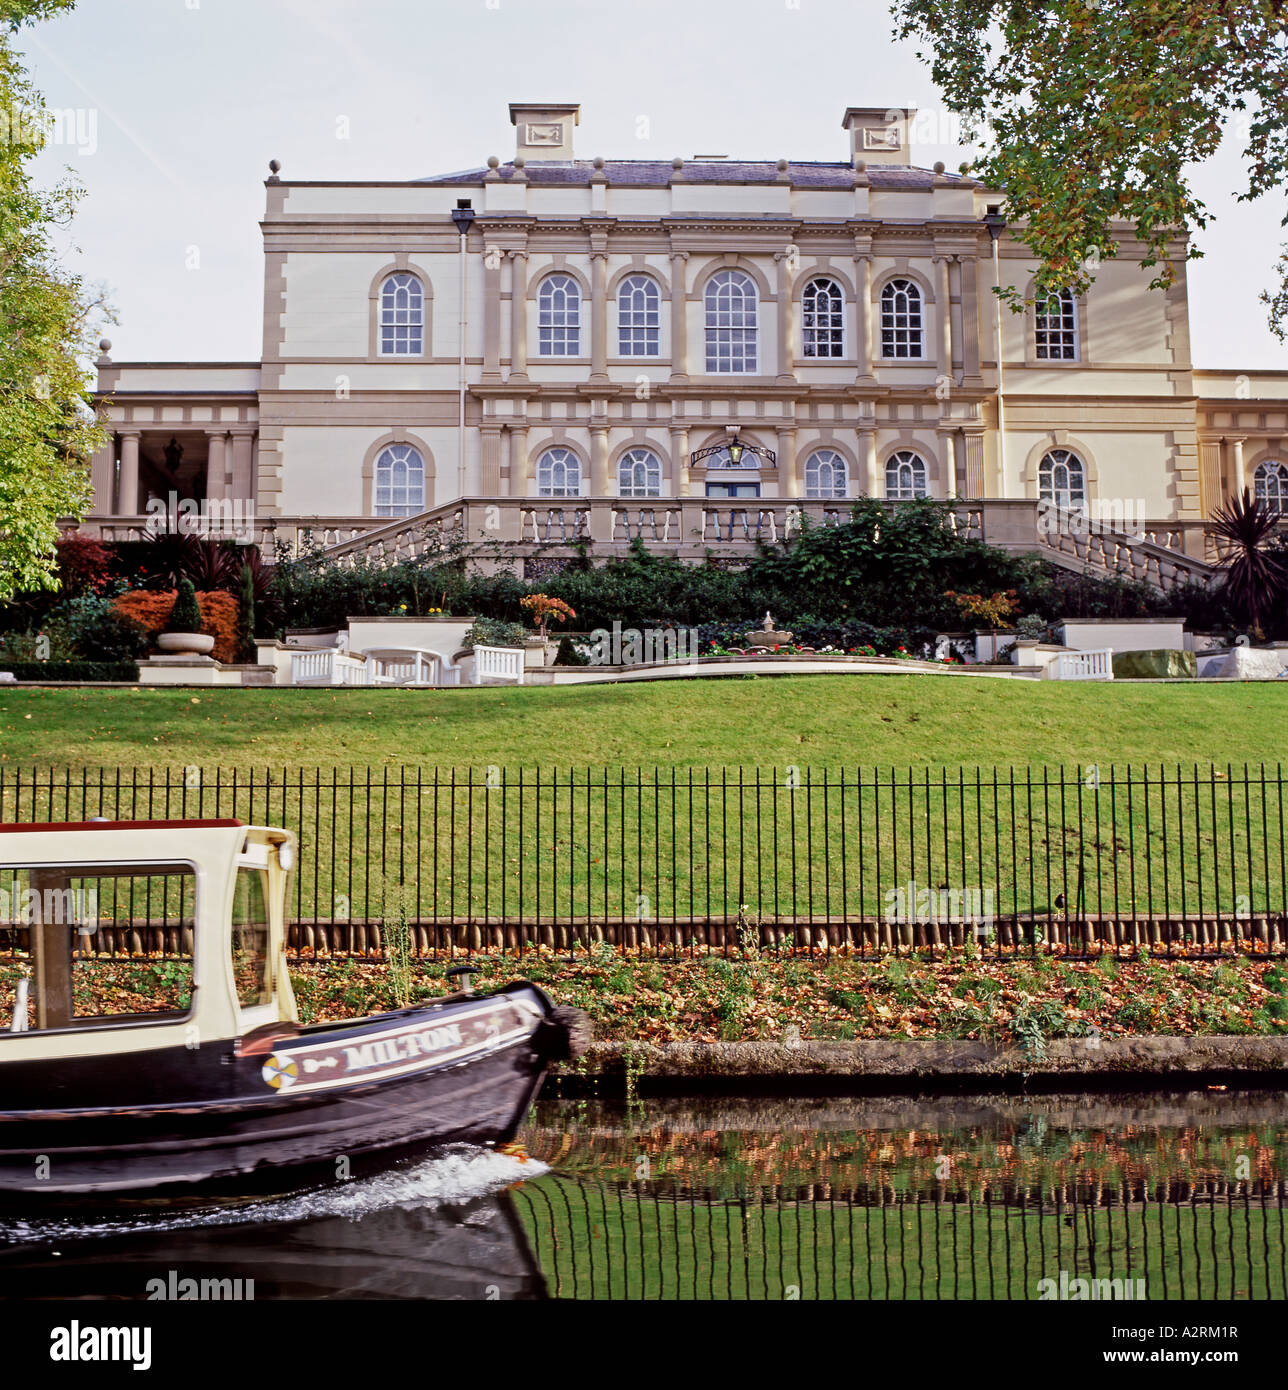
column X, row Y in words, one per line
column 307, row 1101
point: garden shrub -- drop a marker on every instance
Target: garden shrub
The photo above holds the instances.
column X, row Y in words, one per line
column 494, row 632
column 72, row 670
column 185, row 612
column 218, row 615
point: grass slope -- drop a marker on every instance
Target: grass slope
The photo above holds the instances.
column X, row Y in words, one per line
column 754, row 722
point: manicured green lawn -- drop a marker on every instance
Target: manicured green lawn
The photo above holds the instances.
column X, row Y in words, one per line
column 757, row 722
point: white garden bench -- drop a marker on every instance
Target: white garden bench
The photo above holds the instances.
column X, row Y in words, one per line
column 411, row 666
column 328, row 666
column 498, row 664
column 1095, row 665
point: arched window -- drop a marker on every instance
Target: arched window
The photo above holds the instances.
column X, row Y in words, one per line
column 639, row 317
column 1056, row 328
column 1062, row 479
column 823, row 319
column 559, row 317
column 400, row 482
column 639, row 474
column 901, row 319
column 731, row 304
column 1270, row 483
column 559, row 474
column 402, row 316
column 905, row 476
column 826, row 474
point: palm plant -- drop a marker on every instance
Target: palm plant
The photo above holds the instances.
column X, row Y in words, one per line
column 1255, row 576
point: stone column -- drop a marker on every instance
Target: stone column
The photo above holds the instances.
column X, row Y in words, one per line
column 1236, row 481
column 970, row 322
column 490, row 460
column 127, row 501
column 599, row 483
column 863, row 315
column 679, row 316
column 242, row 467
column 679, row 461
column 786, row 320
column 519, row 315
column 944, row 293
column 789, row 481
column 598, row 316
column 216, row 466
column 520, row 463
column 103, row 475
column 1210, row 484
column 974, row 444
column 492, row 261
column 867, row 479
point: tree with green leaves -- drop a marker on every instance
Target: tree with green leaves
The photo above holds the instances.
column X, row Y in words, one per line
column 1092, row 112
column 48, row 321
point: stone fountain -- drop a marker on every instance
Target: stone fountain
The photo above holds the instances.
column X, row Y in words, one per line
column 767, row 636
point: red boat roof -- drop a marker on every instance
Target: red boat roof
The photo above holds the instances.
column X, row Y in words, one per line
column 113, row 825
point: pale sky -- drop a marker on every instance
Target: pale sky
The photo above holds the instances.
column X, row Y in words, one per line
column 179, row 105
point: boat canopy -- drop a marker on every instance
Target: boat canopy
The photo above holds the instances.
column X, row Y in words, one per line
column 124, row 936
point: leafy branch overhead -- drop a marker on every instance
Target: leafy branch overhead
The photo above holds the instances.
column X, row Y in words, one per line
column 1092, row 111
column 48, row 321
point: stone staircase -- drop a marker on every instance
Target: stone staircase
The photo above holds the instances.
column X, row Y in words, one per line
column 1163, row 555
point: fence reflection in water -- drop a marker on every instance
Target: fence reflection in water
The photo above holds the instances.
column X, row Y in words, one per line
column 644, row 1241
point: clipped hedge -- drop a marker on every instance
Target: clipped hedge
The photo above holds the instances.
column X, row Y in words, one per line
column 72, row 670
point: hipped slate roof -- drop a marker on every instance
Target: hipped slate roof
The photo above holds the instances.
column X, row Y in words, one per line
column 657, row 173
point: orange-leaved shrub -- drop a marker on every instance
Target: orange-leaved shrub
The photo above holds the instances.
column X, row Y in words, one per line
column 151, row 607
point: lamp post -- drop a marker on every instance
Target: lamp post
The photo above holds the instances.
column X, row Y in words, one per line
column 996, row 224
column 463, row 216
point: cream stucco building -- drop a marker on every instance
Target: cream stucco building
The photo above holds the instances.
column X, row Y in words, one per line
column 551, row 346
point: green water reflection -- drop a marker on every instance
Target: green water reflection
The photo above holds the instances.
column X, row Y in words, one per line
column 1156, row 1198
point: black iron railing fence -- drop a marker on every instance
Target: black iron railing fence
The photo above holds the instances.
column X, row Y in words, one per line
column 1174, row 859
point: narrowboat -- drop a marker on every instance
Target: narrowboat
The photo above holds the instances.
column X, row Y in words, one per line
column 184, row 1065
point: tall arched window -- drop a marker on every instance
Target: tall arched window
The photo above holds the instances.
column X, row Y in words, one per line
column 639, row 317
column 731, row 303
column 559, row 317
column 399, row 484
column 826, row 474
column 1055, row 326
column 823, row 319
column 559, row 474
column 905, row 476
column 1270, row 483
column 402, row 316
column 1062, row 479
column 901, row 320
column 639, row 474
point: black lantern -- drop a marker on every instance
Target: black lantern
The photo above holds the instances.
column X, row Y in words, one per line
column 173, row 453
column 736, row 447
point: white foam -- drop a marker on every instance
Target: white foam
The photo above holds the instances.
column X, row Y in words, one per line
column 456, row 1174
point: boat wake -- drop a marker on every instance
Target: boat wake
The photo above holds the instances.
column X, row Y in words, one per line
column 455, row 1175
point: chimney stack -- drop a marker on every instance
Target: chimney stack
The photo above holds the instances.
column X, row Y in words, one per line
column 544, row 129
column 880, row 134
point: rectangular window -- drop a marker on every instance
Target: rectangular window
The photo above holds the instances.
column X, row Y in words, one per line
column 252, row 960
column 730, row 348
column 75, row 939
column 1056, row 330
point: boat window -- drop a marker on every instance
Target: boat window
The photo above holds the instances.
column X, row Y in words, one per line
column 252, row 965
column 90, row 944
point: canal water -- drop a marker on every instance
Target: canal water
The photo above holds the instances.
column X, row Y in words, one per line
column 987, row 1197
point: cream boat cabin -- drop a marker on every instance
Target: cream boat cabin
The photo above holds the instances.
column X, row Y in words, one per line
column 207, row 1075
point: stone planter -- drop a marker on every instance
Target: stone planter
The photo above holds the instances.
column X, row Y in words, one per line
column 185, row 643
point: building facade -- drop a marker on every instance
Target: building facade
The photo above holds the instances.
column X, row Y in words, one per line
column 549, row 328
